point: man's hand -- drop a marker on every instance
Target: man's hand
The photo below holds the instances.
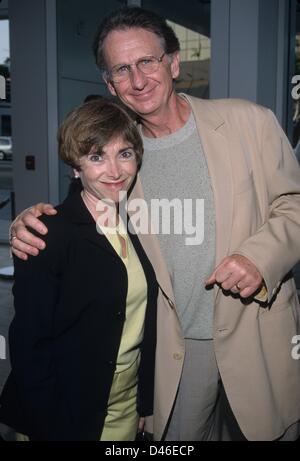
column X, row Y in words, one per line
column 22, row 241
column 238, row 275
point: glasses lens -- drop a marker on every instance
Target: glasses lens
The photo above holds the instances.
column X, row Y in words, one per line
column 148, row 64
column 119, row 73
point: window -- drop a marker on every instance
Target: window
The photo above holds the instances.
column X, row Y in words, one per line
column 6, row 175
column 4, row 55
column 294, row 112
column 192, row 27
column 6, row 125
column 195, row 61
column 296, row 71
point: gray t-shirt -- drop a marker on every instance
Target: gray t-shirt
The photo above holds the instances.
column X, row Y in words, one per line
column 174, row 167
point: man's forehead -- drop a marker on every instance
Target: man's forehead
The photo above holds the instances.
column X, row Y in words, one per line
column 120, row 44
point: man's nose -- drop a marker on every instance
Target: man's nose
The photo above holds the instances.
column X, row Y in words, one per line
column 137, row 78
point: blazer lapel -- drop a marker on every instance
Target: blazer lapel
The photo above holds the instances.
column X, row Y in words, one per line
column 216, row 149
column 150, row 243
column 91, row 233
column 77, row 212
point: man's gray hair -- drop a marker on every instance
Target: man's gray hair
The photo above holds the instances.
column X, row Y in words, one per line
column 134, row 17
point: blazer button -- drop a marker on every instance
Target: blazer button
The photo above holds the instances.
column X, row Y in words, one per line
column 177, row 356
column 120, row 315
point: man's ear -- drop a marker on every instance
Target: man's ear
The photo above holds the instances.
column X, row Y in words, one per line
column 175, row 64
column 109, row 85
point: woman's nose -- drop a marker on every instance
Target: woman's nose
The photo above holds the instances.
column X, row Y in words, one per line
column 114, row 169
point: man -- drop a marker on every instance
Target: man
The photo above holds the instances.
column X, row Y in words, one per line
column 234, row 155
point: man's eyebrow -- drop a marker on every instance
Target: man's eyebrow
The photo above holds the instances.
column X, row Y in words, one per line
column 121, row 64
column 139, row 59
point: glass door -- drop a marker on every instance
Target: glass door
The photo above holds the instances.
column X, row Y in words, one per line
column 6, row 146
column 294, row 94
column 295, row 62
column 192, row 27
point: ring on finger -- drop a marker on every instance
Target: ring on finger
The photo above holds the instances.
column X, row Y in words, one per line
column 11, row 239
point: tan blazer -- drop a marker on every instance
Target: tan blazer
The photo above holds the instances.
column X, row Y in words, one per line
column 256, row 183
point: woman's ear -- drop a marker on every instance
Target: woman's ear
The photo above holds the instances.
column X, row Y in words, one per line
column 76, row 173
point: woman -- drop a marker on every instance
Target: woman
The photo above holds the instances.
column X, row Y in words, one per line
column 82, row 341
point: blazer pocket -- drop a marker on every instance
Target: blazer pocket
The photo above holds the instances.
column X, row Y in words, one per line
column 266, row 313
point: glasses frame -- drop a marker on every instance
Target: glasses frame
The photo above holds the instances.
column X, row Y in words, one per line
column 108, row 74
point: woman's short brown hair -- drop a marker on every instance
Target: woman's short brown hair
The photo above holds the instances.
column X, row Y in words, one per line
column 96, row 123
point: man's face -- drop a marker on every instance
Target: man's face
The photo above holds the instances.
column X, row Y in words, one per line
column 145, row 94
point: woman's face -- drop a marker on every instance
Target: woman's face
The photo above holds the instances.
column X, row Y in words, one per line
column 107, row 173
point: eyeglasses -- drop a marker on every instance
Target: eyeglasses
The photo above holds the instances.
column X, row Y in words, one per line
column 148, row 65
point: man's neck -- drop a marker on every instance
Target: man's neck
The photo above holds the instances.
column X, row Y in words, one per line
column 168, row 120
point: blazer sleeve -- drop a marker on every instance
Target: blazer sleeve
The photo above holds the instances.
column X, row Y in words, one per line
column 275, row 247
column 36, row 292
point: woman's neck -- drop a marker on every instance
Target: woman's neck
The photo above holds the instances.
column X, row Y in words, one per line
column 103, row 213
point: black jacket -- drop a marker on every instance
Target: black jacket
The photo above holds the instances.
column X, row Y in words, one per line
column 70, row 305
